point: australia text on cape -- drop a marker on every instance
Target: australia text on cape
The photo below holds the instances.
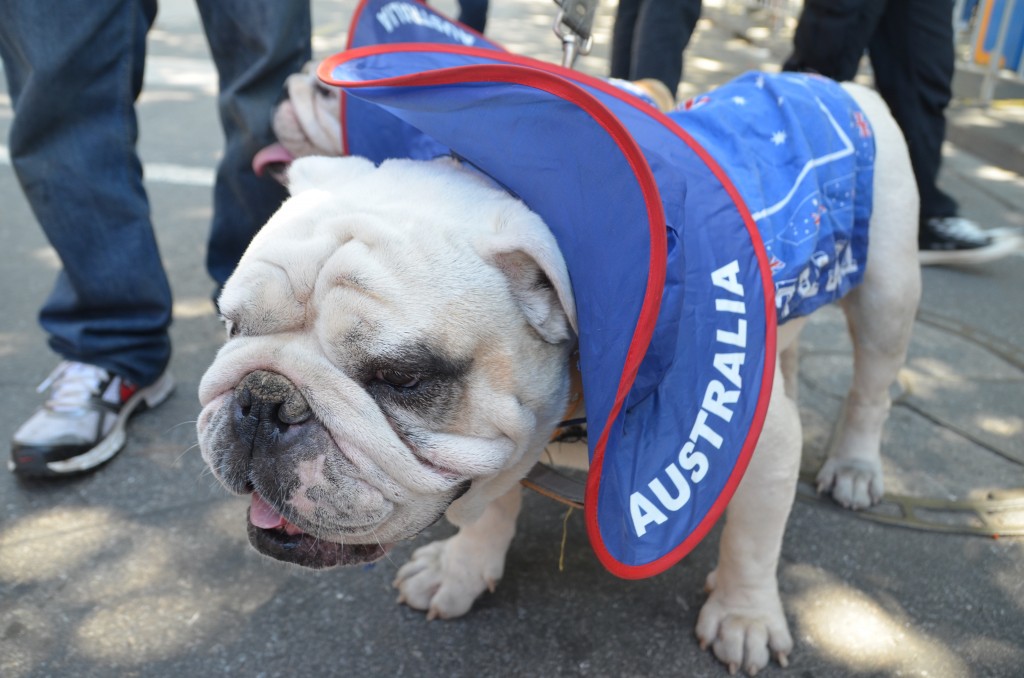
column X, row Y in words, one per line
column 718, row 396
column 395, row 14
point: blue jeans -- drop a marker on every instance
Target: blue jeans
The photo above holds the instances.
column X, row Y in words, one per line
column 74, row 71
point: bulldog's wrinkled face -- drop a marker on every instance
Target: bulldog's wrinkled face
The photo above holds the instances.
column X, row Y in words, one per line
column 398, row 341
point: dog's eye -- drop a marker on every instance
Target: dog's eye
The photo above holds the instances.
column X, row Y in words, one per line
column 323, row 90
column 398, row 380
column 231, row 327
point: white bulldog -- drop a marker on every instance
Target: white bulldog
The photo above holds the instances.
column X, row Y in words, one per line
column 399, row 348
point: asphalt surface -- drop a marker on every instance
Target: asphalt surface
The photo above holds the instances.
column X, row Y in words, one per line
column 143, row 567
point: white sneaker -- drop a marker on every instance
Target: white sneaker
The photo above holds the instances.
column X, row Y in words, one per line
column 81, row 425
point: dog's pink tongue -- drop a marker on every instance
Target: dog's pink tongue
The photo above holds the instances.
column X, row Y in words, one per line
column 262, row 514
column 274, row 154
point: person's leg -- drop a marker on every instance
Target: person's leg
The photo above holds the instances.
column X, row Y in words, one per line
column 912, row 54
column 255, row 45
column 832, row 35
column 662, row 32
column 913, row 58
column 623, row 31
column 473, row 13
column 74, row 70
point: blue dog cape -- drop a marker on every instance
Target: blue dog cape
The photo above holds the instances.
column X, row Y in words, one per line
column 671, row 259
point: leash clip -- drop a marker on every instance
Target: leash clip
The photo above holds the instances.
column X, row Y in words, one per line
column 573, row 25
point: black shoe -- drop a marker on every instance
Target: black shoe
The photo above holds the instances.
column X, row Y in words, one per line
column 955, row 240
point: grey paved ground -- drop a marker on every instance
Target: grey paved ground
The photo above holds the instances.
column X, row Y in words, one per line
column 143, row 568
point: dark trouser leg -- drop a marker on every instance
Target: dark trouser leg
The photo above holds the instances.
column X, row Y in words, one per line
column 912, row 54
column 651, row 39
column 473, row 13
column 622, row 38
column 255, row 45
column 832, row 36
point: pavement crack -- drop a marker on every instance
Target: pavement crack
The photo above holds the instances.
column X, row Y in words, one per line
column 994, row 345
column 963, row 433
column 903, row 400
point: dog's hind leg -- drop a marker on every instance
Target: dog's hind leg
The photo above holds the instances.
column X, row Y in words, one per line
column 445, row 577
column 743, row 620
column 880, row 315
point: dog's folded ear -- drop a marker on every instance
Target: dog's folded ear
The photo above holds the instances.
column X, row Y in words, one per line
column 524, row 250
column 319, row 172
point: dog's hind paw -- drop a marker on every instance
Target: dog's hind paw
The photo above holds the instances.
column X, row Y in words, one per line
column 444, row 583
column 853, row 483
column 746, row 636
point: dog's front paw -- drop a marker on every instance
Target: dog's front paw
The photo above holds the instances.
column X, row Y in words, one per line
column 744, row 633
column 853, row 483
column 445, row 577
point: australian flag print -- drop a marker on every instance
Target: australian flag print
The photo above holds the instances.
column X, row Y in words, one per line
column 802, row 156
column 681, row 234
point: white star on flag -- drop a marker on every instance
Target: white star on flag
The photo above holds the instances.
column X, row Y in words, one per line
column 779, row 138
column 739, row 101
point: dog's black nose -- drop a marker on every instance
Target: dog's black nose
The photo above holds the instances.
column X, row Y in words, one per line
column 268, row 404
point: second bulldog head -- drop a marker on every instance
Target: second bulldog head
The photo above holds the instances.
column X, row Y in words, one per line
column 398, row 348
column 306, row 122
